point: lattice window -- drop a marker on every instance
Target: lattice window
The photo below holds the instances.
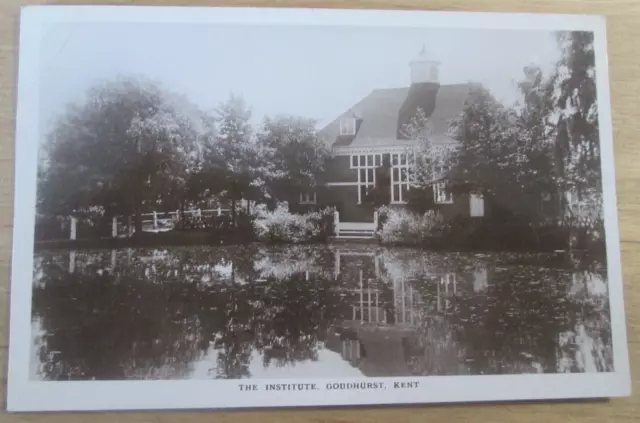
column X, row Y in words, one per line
column 365, row 165
column 399, row 177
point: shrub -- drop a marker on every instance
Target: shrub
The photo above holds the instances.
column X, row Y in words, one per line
column 400, row 226
column 280, row 225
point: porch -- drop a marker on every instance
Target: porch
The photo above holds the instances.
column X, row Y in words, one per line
column 354, row 230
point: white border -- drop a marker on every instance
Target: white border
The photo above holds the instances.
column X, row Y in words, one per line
column 26, row 395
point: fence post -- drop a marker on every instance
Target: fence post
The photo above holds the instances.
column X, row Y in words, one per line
column 375, row 220
column 72, row 261
column 114, row 227
column 199, row 213
column 177, row 215
column 219, row 210
column 74, row 224
column 155, row 220
column 336, row 223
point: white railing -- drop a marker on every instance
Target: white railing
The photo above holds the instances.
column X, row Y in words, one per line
column 336, row 223
column 168, row 219
column 157, row 219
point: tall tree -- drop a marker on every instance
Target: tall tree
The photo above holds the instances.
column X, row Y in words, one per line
column 114, row 150
column 577, row 142
column 229, row 162
column 429, row 162
column 293, row 157
column 487, row 149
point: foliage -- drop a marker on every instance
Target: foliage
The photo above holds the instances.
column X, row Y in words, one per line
column 119, row 150
column 230, row 162
column 293, row 156
column 401, row 226
column 280, row 225
column 548, row 145
column 429, row 161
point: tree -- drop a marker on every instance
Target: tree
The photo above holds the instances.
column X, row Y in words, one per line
column 535, row 143
column 577, row 142
column 505, row 153
column 116, row 151
column 293, row 157
column 430, row 162
column 230, row 160
column 173, row 150
column 487, row 149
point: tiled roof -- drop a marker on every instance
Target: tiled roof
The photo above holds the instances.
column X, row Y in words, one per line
column 380, row 112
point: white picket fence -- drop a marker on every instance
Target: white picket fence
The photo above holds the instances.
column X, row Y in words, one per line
column 152, row 222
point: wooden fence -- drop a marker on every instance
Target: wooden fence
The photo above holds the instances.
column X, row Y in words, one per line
column 151, row 222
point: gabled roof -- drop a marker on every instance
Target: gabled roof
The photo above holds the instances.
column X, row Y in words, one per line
column 380, row 111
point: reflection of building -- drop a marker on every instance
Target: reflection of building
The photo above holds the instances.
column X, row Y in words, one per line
column 386, row 312
column 379, row 297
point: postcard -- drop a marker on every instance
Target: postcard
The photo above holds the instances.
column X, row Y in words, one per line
column 246, row 207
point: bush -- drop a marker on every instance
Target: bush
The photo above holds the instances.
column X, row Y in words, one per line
column 280, row 225
column 400, row 226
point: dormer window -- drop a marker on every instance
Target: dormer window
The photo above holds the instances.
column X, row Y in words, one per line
column 348, row 126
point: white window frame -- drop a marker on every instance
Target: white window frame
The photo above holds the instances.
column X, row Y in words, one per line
column 441, row 195
column 308, row 197
column 478, row 201
column 348, row 126
column 398, row 164
column 362, row 163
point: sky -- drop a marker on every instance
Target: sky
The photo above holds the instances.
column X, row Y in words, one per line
column 316, row 72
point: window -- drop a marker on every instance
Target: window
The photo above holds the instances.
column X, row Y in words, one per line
column 476, row 205
column 348, row 126
column 399, row 178
column 308, row 198
column 441, row 195
column 365, row 165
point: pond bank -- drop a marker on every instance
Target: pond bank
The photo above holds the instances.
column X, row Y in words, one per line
column 147, row 240
column 557, row 258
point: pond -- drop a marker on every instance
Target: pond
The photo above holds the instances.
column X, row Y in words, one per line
column 313, row 311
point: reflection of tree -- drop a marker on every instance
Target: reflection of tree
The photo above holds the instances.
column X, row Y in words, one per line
column 163, row 310
column 294, row 319
column 524, row 321
column 102, row 326
column 234, row 338
column 157, row 312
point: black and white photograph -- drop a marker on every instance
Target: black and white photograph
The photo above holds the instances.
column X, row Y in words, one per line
column 222, row 207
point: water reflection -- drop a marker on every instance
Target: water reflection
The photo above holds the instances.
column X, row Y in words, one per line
column 317, row 311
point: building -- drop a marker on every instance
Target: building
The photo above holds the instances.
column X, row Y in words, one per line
column 369, row 139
